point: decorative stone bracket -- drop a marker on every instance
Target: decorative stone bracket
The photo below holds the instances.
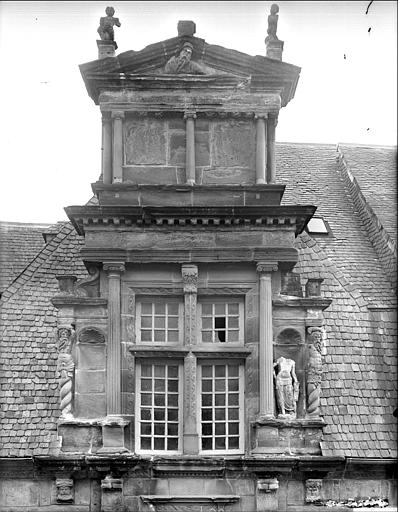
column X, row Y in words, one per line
column 111, row 494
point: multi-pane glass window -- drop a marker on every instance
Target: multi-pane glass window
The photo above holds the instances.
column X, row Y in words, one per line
column 221, row 321
column 221, row 405
column 158, row 407
column 159, row 321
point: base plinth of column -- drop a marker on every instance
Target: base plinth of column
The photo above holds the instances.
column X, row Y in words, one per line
column 191, row 444
column 288, row 436
column 114, row 435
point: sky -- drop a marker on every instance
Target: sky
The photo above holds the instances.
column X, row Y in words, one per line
column 50, row 130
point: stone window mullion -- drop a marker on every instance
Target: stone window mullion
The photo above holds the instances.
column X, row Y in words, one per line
column 190, row 433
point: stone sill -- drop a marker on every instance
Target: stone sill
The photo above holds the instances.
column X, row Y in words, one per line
column 290, row 423
column 307, row 302
column 181, row 351
column 203, row 500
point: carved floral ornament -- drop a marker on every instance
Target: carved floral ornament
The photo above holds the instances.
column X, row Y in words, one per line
column 190, row 278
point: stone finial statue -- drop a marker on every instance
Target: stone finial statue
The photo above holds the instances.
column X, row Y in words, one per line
column 65, row 367
column 105, row 29
column 182, row 63
column 314, row 370
column 286, row 386
column 272, row 24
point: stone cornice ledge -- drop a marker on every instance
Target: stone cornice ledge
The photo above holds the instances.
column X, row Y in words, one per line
column 310, row 302
column 73, row 300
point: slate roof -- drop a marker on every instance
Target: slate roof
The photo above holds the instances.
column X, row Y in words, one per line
column 360, row 368
column 19, row 243
column 375, row 169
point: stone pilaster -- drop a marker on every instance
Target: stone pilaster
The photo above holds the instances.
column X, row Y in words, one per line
column 106, row 148
column 190, row 147
column 261, row 148
column 113, row 370
column 117, row 149
column 190, row 434
column 271, row 161
column 265, row 270
column 112, row 494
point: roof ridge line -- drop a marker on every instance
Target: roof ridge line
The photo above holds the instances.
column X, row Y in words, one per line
column 366, row 210
column 15, row 285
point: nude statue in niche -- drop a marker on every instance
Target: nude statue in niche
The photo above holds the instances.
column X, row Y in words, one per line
column 286, row 387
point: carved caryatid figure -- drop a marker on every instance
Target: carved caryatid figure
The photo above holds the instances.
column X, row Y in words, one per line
column 272, row 24
column 286, row 387
column 314, row 370
column 105, row 30
column 182, row 63
column 66, row 367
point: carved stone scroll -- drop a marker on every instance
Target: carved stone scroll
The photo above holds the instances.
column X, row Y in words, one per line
column 314, row 370
column 66, row 369
column 89, row 286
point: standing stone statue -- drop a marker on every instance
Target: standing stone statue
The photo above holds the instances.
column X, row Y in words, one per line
column 105, row 30
column 182, row 63
column 66, row 368
column 314, row 370
column 286, row 386
column 272, row 24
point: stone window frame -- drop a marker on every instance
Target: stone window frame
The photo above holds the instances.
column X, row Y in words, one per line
column 240, row 299
column 153, row 299
column 242, row 376
column 137, row 431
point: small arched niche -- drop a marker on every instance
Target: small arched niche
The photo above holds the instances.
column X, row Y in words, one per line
column 288, row 336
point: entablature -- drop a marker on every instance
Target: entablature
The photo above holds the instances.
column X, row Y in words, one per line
column 269, row 217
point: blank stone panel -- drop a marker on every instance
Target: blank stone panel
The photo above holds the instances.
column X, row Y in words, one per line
column 233, row 144
column 145, row 142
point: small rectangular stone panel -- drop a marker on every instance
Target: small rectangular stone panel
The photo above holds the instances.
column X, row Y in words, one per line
column 145, row 142
column 233, row 144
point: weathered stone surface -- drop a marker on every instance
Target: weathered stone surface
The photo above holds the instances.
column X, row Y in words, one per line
column 234, row 144
column 145, row 142
column 90, row 381
column 90, row 405
column 177, row 149
column 202, row 148
column 91, row 357
column 77, row 438
column 150, row 175
column 14, row 493
column 295, row 492
column 226, row 175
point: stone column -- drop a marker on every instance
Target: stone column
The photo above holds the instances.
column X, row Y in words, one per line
column 265, row 270
column 106, row 149
column 117, row 149
column 271, row 163
column 261, row 149
column 190, row 434
column 113, row 367
column 190, row 147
